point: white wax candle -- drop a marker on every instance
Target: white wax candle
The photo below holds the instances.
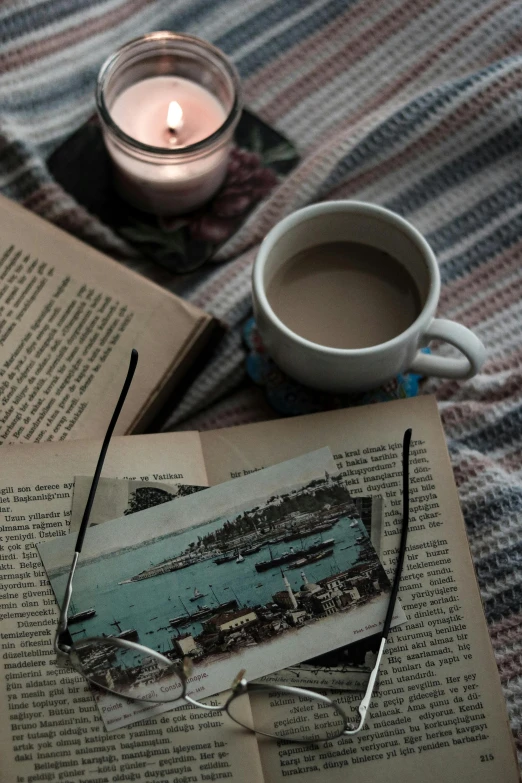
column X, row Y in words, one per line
column 141, row 111
column 168, row 186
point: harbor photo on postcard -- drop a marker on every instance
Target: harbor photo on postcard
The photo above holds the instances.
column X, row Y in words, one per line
column 259, row 573
column 347, row 668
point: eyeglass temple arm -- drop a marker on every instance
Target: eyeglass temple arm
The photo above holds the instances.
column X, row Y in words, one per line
column 404, row 532
column 64, row 611
column 101, row 459
column 365, row 703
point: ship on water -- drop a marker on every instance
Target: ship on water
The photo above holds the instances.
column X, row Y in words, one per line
column 227, row 557
column 202, row 612
column 185, row 619
column 78, row 617
column 130, row 634
column 309, row 559
column 197, row 595
column 238, row 556
column 294, row 554
column 250, row 550
column 296, row 533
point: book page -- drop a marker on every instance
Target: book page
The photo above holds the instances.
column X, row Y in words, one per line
column 69, row 317
column 50, row 728
column 439, row 714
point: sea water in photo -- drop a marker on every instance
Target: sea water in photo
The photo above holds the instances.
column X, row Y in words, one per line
column 159, row 608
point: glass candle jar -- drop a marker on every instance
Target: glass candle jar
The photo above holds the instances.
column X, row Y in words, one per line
column 168, row 105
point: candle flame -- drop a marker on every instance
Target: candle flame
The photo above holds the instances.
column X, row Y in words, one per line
column 174, row 115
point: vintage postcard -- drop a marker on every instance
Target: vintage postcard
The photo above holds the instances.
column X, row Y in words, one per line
column 258, row 573
column 347, row 668
column 119, row 497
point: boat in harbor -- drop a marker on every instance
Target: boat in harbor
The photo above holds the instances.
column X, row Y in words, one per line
column 202, row 612
column 240, row 558
column 78, row 617
column 197, row 595
column 305, row 561
column 304, row 532
column 354, row 523
column 294, row 554
column 130, row 634
column 231, row 604
column 180, row 619
column 253, row 549
column 227, row 557
column 319, row 545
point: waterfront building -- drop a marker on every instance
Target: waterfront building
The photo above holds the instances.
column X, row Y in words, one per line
column 324, row 602
column 228, row 621
column 185, row 645
column 297, row 617
column 282, row 599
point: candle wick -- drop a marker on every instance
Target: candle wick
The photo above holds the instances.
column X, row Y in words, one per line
column 172, row 137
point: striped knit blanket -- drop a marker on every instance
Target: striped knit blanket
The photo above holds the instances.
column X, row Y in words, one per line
column 413, row 104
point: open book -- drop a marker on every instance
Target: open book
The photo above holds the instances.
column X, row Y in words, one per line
column 64, row 310
column 439, row 713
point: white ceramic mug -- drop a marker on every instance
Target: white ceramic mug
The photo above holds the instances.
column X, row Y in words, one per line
column 350, row 370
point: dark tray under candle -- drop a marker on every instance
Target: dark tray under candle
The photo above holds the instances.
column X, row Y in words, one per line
column 260, row 159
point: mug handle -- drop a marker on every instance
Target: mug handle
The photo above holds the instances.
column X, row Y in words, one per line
column 444, row 367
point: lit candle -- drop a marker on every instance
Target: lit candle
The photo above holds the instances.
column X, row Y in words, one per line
column 167, row 111
column 169, row 135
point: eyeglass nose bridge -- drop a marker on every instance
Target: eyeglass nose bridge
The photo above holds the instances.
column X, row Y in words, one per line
column 63, row 653
column 365, row 703
column 61, row 648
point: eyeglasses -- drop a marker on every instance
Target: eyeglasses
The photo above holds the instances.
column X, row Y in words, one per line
column 122, row 667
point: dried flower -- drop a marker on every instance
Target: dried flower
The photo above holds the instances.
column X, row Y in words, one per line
column 246, row 183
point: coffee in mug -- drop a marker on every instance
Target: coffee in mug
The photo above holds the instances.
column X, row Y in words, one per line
column 344, row 295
